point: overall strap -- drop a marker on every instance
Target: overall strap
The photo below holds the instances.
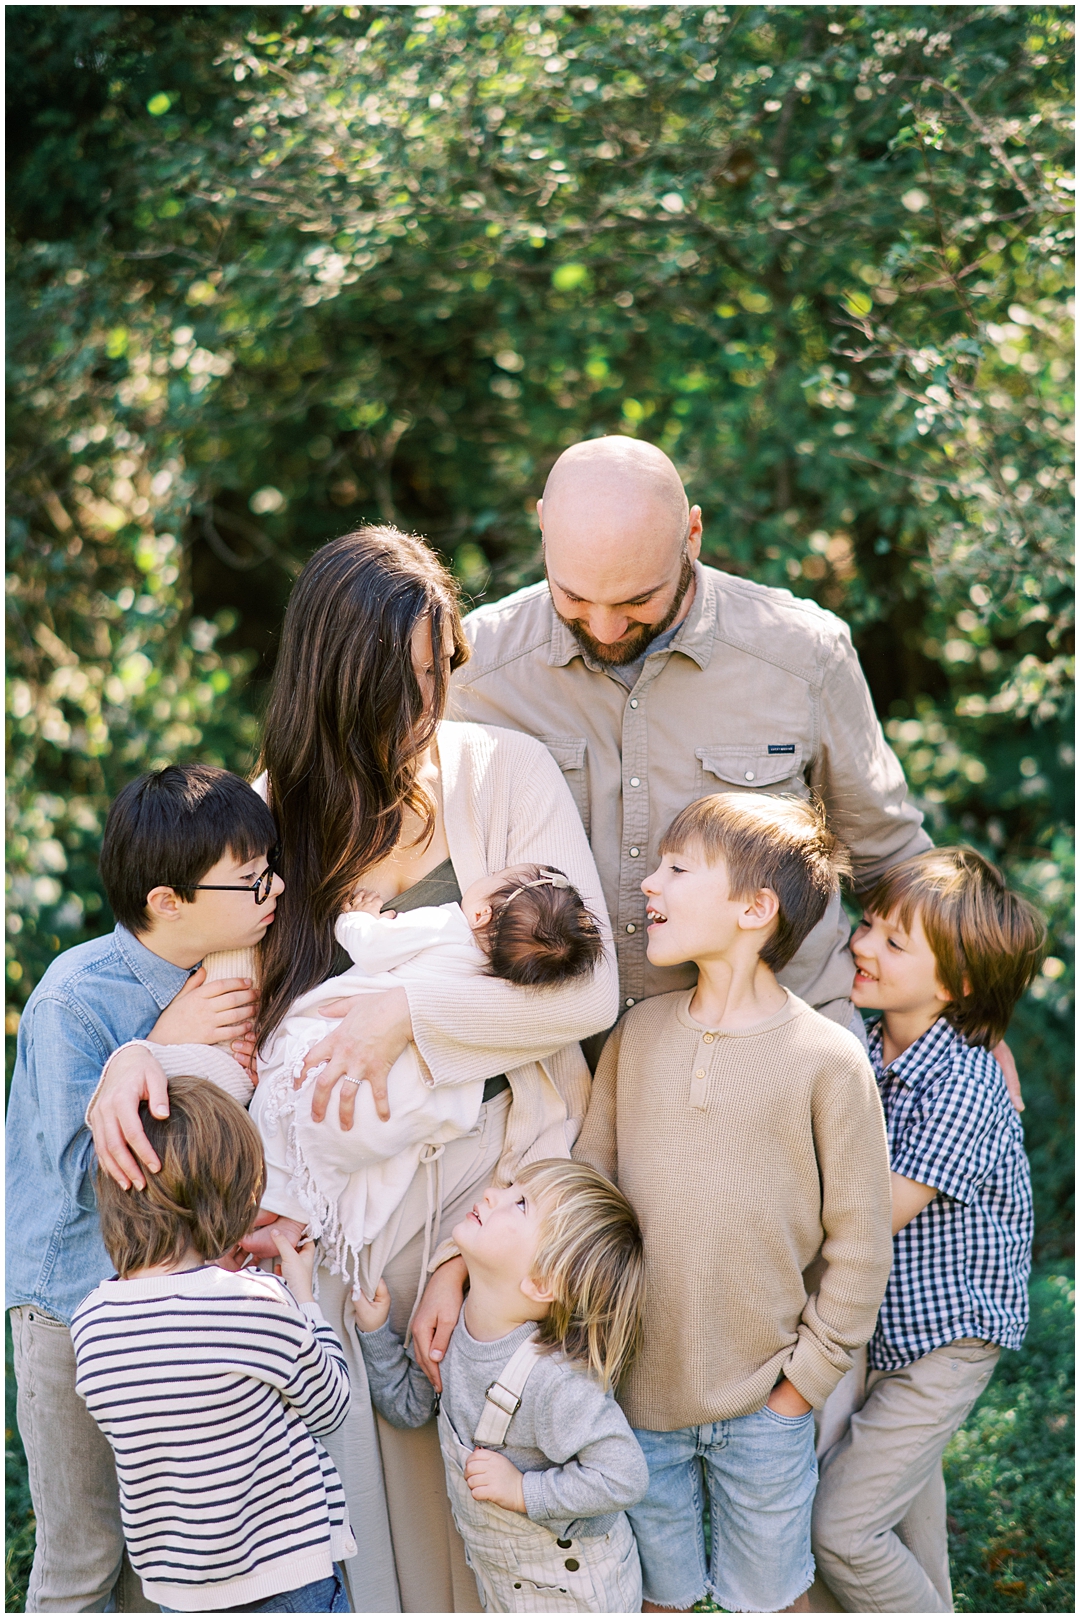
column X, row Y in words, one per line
column 504, row 1395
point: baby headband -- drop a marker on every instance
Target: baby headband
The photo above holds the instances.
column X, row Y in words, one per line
column 554, row 879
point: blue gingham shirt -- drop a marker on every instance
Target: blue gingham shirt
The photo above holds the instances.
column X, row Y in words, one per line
column 960, row 1268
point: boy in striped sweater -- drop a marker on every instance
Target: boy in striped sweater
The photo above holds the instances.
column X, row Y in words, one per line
column 213, row 1387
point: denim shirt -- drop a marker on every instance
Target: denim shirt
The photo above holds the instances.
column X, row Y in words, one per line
column 92, row 999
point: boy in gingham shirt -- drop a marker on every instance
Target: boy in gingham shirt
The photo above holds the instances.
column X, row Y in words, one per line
column 944, row 951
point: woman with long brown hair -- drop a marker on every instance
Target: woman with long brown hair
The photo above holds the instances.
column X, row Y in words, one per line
column 367, row 780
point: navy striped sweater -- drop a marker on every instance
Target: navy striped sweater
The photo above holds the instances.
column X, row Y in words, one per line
column 212, row 1389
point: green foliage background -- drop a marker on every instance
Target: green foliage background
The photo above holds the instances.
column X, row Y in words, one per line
column 276, row 270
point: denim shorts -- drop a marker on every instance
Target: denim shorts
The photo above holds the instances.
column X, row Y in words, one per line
column 322, row 1595
column 760, row 1472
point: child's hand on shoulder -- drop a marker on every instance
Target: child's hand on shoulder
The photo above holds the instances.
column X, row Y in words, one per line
column 368, row 901
column 204, row 1013
column 371, row 1313
column 492, row 1477
column 297, row 1268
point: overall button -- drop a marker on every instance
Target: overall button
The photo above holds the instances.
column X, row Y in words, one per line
column 564, row 1544
column 630, row 1000
column 633, row 702
column 572, row 1564
column 634, row 852
column 749, row 775
column 634, row 781
column 630, row 927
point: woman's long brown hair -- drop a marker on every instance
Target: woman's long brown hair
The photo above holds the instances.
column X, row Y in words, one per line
column 345, row 726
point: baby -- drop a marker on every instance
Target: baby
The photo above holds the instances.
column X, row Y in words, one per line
column 527, row 925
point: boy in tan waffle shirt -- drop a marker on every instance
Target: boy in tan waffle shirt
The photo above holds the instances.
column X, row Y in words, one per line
column 747, row 1133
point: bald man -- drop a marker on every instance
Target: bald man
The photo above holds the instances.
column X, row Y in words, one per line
column 655, row 680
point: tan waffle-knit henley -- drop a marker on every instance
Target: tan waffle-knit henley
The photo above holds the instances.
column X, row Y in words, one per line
column 744, row 1155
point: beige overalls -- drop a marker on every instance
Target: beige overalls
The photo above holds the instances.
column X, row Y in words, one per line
column 519, row 1565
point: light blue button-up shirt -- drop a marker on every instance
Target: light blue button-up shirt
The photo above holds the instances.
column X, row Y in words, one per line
column 92, row 999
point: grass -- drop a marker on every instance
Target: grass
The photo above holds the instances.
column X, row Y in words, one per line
column 1009, row 1473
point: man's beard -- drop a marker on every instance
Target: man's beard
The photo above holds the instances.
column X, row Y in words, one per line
column 631, row 646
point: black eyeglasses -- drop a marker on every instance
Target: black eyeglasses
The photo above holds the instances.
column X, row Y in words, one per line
column 260, row 887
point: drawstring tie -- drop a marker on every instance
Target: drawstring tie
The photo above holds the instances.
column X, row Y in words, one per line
column 431, row 1161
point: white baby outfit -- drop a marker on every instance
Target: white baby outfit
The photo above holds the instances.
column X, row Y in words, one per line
column 347, row 1184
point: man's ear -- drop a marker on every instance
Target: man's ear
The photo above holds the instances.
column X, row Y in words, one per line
column 693, row 538
column 759, row 910
column 540, row 514
column 164, row 904
column 537, row 1291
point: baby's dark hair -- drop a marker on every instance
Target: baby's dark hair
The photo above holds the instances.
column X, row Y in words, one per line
column 541, row 931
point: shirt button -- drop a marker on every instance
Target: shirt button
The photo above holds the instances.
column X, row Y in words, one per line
column 700, row 1074
column 572, row 1564
column 634, row 781
column 634, row 852
column 630, row 1001
column 633, row 702
column 630, row 927
column 708, row 1038
column 749, row 775
column 564, row 1544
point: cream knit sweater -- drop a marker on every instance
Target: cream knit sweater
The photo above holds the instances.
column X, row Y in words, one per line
column 744, row 1155
column 505, row 803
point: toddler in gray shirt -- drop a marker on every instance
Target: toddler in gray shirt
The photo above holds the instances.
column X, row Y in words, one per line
column 541, row 1463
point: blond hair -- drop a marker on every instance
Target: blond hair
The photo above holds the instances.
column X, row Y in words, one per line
column 591, row 1257
column 781, row 843
column 988, row 942
column 206, row 1193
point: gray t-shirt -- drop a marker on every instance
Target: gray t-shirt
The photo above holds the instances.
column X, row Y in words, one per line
column 628, row 672
column 582, row 1464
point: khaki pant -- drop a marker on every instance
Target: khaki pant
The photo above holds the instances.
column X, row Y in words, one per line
column 80, row 1564
column 879, row 1529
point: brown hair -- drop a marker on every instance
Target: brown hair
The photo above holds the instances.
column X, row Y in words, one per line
column 592, row 1258
column 988, row 942
column 780, row 843
column 207, row 1191
column 345, row 725
column 541, row 934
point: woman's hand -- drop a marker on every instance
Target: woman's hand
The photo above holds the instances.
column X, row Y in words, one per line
column 204, row 1013
column 131, row 1076
column 374, row 1030
column 371, row 1313
column 437, row 1315
column 492, row 1477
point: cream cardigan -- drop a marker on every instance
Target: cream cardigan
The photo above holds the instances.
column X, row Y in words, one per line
column 505, row 802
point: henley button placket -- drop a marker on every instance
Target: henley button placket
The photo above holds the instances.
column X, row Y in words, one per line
column 636, row 833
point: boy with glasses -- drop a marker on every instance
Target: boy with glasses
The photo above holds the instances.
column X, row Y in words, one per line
column 185, row 865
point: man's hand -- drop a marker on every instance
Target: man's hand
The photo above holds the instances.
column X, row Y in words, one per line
column 133, row 1076
column 204, row 1013
column 1003, row 1056
column 259, row 1241
column 374, row 1030
column 492, row 1477
column 371, row 1313
column 436, row 1316
column 786, row 1399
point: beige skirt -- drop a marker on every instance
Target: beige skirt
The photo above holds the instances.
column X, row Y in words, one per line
column 410, row 1557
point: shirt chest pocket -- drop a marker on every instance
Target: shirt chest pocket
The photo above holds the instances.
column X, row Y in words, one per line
column 569, row 754
column 750, row 769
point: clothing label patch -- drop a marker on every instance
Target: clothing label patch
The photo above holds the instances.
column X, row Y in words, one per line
column 781, row 747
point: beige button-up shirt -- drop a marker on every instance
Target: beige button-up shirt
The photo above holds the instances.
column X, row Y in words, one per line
column 758, row 691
